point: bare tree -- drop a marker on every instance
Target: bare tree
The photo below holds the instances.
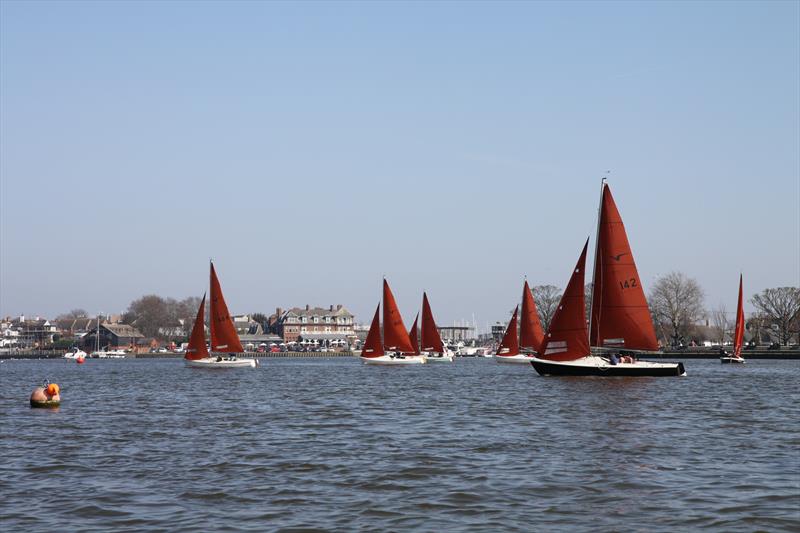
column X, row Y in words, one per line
column 547, row 298
column 781, row 306
column 75, row 313
column 148, row 314
column 587, row 300
column 676, row 303
column 719, row 317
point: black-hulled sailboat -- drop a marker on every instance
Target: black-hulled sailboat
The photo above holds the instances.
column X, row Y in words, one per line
column 620, row 324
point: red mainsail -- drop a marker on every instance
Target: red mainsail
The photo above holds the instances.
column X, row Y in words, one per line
column 223, row 335
column 530, row 334
column 510, row 344
column 567, row 338
column 197, row 348
column 738, row 333
column 413, row 335
column 620, row 316
column 395, row 335
column 431, row 340
column 373, row 347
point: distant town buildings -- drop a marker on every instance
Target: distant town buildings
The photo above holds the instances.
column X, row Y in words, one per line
column 332, row 325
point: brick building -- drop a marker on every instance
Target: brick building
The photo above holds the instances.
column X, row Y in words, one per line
column 334, row 322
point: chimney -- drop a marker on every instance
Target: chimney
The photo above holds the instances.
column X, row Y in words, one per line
column 278, row 312
column 307, row 307
column 331, row 307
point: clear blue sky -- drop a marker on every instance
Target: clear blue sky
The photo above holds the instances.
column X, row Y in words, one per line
column 311, row 148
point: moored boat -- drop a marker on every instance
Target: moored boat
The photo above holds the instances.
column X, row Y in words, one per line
column 224, row 339
column 396, row 347
column 738, row 334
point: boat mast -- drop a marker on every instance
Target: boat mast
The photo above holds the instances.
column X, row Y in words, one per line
column 596, row 251
column 97, row 335
column 210, row 318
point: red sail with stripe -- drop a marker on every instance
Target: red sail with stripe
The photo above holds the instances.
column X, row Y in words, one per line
column 738, row 332
column 197, row 348
column 531, row 334
column 395, row 335
column 431, row 340
column 510, row 344
column 567, row 338
column 373, row 347
column 413, row 335
column 620, row 316
column 223, row 335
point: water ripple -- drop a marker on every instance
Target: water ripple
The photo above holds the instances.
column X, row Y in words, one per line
column 332, row 445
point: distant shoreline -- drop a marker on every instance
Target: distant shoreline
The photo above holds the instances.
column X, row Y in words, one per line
column 790, row 353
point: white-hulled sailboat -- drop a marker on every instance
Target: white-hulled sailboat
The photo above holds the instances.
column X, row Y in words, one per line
column 738, row 333
column 530, row 335
column 620, row 318
column 224, row 338
column 432, row 347
column 396, row 347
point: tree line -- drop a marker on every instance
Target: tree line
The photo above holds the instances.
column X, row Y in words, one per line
column 677, row 305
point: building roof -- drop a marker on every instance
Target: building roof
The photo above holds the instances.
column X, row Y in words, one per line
column 123, row 330
column 338, row 310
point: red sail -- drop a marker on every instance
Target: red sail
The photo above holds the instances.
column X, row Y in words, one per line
column 431, row 340
column 223, row 335
column 530, row 334
column 413, row 335
column 567, row 338
column 373, row 347
column 197, row 348
column 395, row 335
column 510, row 344
column 738, row 333
column 620, row 316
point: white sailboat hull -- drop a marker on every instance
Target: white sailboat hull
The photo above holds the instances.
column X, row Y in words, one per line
column 388, row 360
column 212, row 362
column 514, row 359
column 599, row 366
column 731, row 359
column 440, row 358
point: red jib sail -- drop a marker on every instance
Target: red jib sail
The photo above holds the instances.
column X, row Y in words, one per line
column 431, row 340
column 223, row 335
column 738, row 333
column 567, row 338
column 395, row 335
column 530, row 334
column 197, row 341
column 373, row 347
column 413, row 335
column 620, row 316
column 510, row 344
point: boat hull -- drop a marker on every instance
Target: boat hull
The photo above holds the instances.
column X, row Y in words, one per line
column 731, row 360
column 386, row 360
column 597, row 366
column 444, row 358
column 514, row 359
column 211, row 362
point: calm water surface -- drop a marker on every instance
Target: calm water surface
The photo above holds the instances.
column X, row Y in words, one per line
column 329, row 444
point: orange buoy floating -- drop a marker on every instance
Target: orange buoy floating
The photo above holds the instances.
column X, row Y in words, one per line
column 80, row 360
column 47, row 396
